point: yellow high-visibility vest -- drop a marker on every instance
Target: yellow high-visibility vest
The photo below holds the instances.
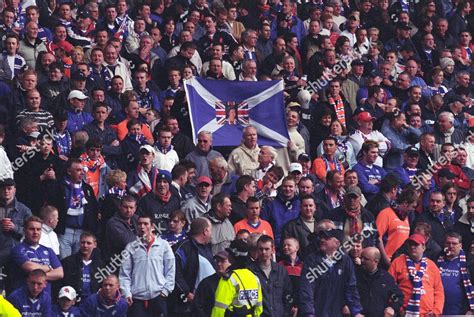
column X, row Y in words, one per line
column 238, row 290
column 7, row 309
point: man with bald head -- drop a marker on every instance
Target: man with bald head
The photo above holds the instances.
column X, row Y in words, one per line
column 379, row 294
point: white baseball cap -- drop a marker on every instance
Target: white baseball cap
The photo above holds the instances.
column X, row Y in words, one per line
column 296, row 167
column 76, row 94
column 148, row 148
column 68, row 292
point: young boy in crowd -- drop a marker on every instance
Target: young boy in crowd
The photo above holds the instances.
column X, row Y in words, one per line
column 176, row 228
column 131, row 145
column 293, row 266
column 95, row 167
column 66, row 301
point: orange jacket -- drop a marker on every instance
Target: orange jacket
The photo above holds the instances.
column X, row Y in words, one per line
column 122, row 131
column 433, row 298
column 319, row 168
column 397, row 230
column 263, row 228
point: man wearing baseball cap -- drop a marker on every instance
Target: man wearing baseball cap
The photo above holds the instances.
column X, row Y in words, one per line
column 66, row 303
column 142, row 180
column 419, row 279
column 407, row 172
column 239, row 292
column 160, row 202
column 329, row 263
column 76, row 117
column 205, row 293
column 201, row 202
column 353, row 219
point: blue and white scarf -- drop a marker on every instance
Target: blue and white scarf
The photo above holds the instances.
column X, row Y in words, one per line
column 416, row 277
column 466, row 277
column 117, row 191
column 77, row 200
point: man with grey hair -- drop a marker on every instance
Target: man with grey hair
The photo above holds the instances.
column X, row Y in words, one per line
column 266, row 159
column 203, row 153
column 244, row 159
column 379, row 294
column 445, row 132
column 222, row 179
column 249, row 70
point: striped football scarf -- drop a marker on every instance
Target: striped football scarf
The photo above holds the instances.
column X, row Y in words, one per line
column 466, row 277
column 416, row 277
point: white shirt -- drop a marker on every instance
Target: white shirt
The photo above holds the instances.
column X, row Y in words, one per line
column 49, row 238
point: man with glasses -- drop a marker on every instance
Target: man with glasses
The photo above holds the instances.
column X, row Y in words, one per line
column 456, row 277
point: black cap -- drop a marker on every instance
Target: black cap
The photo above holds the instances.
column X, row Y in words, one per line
column 357, row 62
column 77, row 75
column 412, row 151
column 7, row 182
column 446, row 173
column 333, row 233
column 84, row 14
column 403, row 26
column 238, row 248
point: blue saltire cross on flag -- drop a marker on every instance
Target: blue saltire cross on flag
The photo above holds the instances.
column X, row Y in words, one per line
column 224, row 108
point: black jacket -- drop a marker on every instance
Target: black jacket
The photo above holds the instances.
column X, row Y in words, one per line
column 72, row 266
column 58, row 193
column 119, row 233
column 438, row 229
column 205, row 295
column 297, row 228
column 378, row 291
column 187, row 253
column 160, row 211
column 239, row 209
column 276, row 290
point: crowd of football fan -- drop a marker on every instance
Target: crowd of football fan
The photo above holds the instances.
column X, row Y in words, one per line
column 110, row 205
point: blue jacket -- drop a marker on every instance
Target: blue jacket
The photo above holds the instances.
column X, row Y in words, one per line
column 93, row 306
column 325, row 289
column 77, row 121
column 23, row 253
column 366, row 174
column 404, row 174
column 21, row 300
column 279, row 212
column 400, row 141
column 73, row 312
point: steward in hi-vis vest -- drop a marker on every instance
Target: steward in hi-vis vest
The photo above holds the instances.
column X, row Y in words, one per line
column 239, row 293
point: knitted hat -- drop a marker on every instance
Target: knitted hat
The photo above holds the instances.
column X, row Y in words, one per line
column 445, row 62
